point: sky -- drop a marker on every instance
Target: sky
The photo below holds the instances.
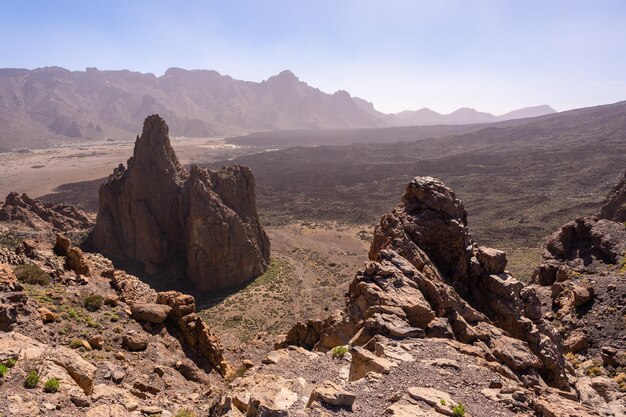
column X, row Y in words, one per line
column 492, row 55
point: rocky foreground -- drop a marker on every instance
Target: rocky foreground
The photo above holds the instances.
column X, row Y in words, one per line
column 433, row 325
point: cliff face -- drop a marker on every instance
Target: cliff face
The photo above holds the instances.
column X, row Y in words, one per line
column 155, row 212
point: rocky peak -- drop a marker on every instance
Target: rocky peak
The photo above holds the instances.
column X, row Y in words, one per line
column 153, row 150
column 429, row 222
column 614, row 207
column 203, row 222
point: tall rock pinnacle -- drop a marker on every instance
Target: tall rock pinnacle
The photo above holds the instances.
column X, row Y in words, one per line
column 156, row 213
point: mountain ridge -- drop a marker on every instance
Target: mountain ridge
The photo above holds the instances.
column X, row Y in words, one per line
column 47, row 105
column 467, row 115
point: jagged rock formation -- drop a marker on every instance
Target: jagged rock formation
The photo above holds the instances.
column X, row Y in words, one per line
column 145, row 302
column 156, row 213
column 583, row 274
column 587, row 242
column 614, row 207
column 43, row 216
column 428, row 279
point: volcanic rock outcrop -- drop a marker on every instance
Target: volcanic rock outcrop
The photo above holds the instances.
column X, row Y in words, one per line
column 34, row 214
column 427, row 278
column 584, row 274
column 157, row 213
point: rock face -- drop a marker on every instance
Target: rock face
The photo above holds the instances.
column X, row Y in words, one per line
column 157, row 213
column 427, row 278
column 614, row 207
column 582, row 273
column 43, row 216
column 582, row 286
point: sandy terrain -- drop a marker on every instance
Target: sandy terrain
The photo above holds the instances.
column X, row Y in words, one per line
column 38, row 172
column 312, row 265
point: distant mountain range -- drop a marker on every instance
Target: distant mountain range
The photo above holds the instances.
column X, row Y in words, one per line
column 462, row 116
column 45, row 105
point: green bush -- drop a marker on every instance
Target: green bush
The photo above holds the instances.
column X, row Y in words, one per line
column 10, row 363
column 51, row 385
column 32, row 379
column 93, row 302
column 185, row 413
column 458, row 410
column 339, row 351
column 32, row 274
column 75, row 344
column 3, row 370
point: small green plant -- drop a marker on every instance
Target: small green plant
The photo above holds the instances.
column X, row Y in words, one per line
column 185, row 413
column 458, row 410
column 75, row 343
column 3, row 370
column 10, row 363
column 442, row 401
column 32, row 274
column 339, row 351
column 51, row 385
column 93, row 302
column 594, row 371
column 32, row 379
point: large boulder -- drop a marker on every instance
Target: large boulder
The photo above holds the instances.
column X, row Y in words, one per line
column 157, row 213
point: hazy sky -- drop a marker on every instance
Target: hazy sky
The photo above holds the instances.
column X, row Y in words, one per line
column 400, row 54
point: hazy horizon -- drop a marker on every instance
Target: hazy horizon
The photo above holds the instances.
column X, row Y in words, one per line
column 491, row 56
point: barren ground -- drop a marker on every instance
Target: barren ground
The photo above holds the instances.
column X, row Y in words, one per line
column 40, row 171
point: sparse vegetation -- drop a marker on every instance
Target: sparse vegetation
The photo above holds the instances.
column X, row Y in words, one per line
column 594, row 371
column 75, row 343
column 339, row 351
column 32, row 379
column 32, row 274
column 3, row 370
column 10, row 363
column 458, row 410
column 93, row 302
column 442, row 402
column 51, row 385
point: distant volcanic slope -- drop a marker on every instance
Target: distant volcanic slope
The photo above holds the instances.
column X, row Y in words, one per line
column 155, row 212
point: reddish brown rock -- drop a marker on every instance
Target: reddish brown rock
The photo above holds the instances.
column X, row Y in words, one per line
column 62, row 245
column 135, row 342
column 76, row 261
column 157, row 213
column 43, row 216
column 8, row 280
column 196, row 333
column 151, row 313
